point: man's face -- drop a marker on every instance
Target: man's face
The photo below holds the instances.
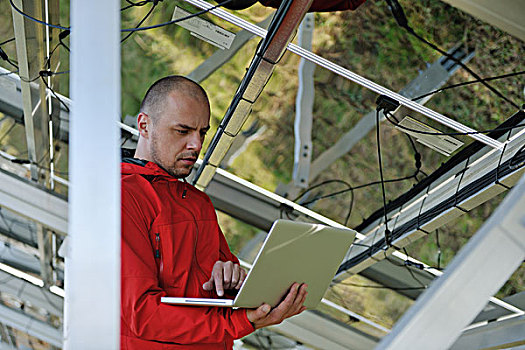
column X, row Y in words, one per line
column 177, row 134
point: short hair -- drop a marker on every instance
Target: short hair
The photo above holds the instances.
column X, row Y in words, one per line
column 153, row 101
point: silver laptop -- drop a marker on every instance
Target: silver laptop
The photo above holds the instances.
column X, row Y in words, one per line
column 292, row 252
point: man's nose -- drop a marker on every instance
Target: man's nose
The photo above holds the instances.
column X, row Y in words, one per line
column 194, row 142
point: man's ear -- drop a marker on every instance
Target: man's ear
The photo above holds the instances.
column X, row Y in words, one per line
column 144, row 124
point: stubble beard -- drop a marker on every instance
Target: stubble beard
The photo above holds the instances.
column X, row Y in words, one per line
column 170, row 169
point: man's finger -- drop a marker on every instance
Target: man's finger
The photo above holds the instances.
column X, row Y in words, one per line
column 208, row 285
column 235, row 276
column 299, row 301
column 242, row 277
column 227, row 274
column 258, row 314
column 285, row 305
column 217, row 276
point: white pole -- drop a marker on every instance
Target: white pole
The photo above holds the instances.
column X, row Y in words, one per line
column 92, row 302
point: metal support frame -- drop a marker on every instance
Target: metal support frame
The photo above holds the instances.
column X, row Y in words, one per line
column 258, row 74
column 31, row 326
column 321, row 332
column 220, row 57
column 93, row 253
column 458, row 189
column 11, row 103
column 27, row 199
column 429, row 80
column 39, row 297
column 45, row 253
column 347, row 74
column 32, row 40
column 476, row 273
column 304, row 105
column 504, row 14
column 503, row 334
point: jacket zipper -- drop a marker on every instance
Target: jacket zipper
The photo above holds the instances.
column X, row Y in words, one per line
column 157, row 251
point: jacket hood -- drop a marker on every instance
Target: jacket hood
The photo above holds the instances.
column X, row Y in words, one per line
column 130, row 165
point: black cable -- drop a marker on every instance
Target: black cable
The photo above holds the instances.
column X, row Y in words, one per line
column 350, row 188
column 54, row 93
column 6, row 58
column 37, row 20
column 401, row 19
column 468, row 83
column 124, row 30
column 358, row 188
column 438, row 250
column 7, row 41
column 176, row 20
column 137, row 4
column 387, row 231
column 141, row 21
column 64, row 34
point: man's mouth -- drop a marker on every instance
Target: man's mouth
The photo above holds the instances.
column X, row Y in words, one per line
column 189, row 160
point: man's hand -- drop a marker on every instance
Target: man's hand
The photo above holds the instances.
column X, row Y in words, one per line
column 291, row 305
column 225, row 275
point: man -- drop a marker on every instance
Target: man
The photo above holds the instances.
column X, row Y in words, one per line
column 171, row 242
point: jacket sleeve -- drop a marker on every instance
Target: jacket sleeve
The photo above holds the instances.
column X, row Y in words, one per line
column 141, row 309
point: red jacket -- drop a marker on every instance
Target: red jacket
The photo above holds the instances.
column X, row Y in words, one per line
column 170, row 241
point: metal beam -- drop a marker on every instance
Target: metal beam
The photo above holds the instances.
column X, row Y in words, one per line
column 11, row 103
column 504, row 14
column 220, row 57
column 322, row 332
column 347, row 74
column 268, row 54
column 304, row 105
column 92, row 302
column 31, row 326
column 39, row 297
column 476, row 273
column 30, row 50
column 454, row 193
column 506, row 334
column 27, row 199
column 432, row 78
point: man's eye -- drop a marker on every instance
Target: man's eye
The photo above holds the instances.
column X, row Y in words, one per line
column 181, row 131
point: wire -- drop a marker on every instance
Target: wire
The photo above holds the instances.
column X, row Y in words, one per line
column 350, row 188
column 402, row 21
column 6, row 58
column 128, row 29
column 176, row 20
column 37, row 20
column 137, row 4
column 438, row 251
column 468, row 83
column 465, row 67
column 358, row 188
column 7, row 41
column 142, row 20
column 53, row 91
column 387, row 231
